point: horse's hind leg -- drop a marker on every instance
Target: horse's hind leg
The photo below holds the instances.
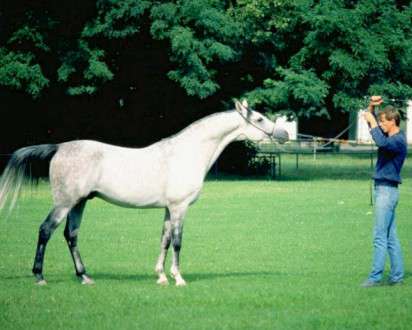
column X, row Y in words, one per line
column 164, row 246
column 55, row 217
column 176, row 219
column 70, row 233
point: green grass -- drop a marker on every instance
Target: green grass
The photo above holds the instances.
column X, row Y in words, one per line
column 257, row 254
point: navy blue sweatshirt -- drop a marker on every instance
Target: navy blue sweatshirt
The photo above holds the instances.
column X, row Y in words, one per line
column 391, row 155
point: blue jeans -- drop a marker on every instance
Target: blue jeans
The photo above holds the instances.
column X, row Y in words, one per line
column 385, row 237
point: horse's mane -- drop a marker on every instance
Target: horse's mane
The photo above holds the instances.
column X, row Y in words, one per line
column 195, row 126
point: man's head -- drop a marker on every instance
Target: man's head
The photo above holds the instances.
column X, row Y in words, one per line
column 389, row 119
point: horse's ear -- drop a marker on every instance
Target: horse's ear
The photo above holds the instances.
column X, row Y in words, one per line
column 242, row 108
column 244, row 103
column 238, row 106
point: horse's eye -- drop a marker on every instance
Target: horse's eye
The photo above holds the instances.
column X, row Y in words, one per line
column 259, row 120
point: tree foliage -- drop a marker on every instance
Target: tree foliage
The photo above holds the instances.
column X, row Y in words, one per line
column 201, row 33
column 20, row 71
column 116, row 19
column 328, row 55
column 302, row 57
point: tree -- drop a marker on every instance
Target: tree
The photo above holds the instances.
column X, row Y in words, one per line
column 326, row 56
column 304, row 58
column 201, row 34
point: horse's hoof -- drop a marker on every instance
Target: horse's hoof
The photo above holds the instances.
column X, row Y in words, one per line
column 162, row 280
column 181, row 282
column 41, row 282
column 86, row 280
column 178, row 278
column 40, row 279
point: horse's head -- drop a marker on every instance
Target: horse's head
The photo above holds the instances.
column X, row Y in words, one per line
column 257, row 127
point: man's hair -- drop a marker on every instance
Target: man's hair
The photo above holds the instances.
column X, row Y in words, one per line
column 390, row 113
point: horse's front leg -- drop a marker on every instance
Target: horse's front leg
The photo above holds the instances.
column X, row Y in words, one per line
column 164, row 246
column 176, row 220
column 177, row 233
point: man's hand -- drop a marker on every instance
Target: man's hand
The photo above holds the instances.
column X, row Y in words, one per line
column 375, row 100
column 370, row 119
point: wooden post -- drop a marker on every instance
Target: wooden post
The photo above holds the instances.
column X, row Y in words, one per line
column 297, row 161
column 314, row 148
column 272, row 169
column 279, row 166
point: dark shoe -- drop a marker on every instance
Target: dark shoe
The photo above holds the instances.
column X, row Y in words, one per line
column 370, row 284
column 397, row 283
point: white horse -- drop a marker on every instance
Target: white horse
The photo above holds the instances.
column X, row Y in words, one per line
column 168, row 174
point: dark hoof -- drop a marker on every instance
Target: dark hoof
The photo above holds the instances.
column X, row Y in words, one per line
column 40, row 280
column 86, row 280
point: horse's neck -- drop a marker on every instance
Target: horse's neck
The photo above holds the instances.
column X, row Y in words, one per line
column 213, row 134
column 220, row 147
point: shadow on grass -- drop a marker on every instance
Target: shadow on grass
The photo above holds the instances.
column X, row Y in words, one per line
column 51, row 279
column 194, row 277
column 98, row 277
column 122, row 277
column 191, row 277
column 16, row 277
column 408, row 274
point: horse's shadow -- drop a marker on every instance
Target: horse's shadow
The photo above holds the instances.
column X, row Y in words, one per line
column 122, row 277
column 191, row 277
column 16, row 277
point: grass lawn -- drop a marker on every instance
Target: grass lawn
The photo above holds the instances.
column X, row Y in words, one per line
column 257, row 254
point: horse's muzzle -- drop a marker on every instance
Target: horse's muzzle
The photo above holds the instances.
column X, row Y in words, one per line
column 281, row 135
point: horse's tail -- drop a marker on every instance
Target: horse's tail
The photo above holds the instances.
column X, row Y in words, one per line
column 27, row 164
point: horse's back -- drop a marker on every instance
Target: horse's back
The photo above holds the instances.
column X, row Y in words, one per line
column 134, row 177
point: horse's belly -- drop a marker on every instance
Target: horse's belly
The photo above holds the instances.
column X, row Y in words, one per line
column 131, row 191
column 130, row 201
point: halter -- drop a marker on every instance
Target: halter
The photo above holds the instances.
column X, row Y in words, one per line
column 255, row 126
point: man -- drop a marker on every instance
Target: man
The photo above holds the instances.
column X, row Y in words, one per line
column 392, row 150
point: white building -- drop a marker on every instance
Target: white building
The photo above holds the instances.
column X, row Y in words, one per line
column 362, row 129
column 290, row 126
